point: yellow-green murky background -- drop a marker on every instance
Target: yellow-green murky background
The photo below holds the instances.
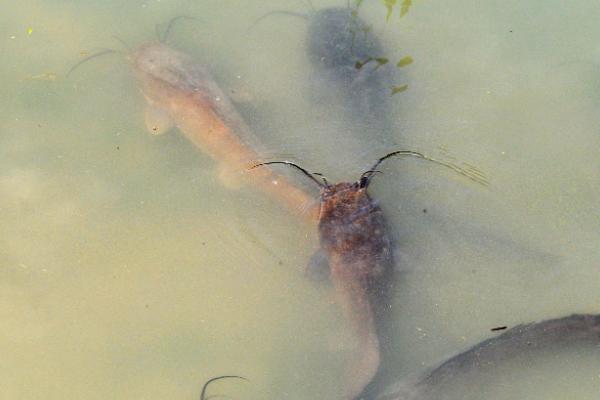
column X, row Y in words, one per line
column 128, row 272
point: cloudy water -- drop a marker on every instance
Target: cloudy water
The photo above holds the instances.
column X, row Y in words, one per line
column 128, row 271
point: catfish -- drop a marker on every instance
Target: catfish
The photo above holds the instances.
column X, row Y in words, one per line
column 180, row 92
column 349, row 83
column 574, row 331
column 355, row 239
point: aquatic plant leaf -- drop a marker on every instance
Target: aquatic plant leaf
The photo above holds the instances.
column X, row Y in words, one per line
column 379, row 60
column 360, row 64
column 398, row 89
column 404, row 7
column 389, row 4
column 404, row 61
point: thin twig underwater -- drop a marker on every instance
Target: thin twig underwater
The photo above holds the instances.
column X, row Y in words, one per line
column 180, row 92
column 356, row 243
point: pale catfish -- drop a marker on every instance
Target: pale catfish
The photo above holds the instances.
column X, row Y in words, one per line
column 180, row 92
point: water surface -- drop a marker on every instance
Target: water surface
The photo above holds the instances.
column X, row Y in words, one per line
column 128, row 272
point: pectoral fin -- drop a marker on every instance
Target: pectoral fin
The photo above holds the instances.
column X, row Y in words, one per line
column 318, row 267
column 230, row 177
column 240, row 96
column 157, row 120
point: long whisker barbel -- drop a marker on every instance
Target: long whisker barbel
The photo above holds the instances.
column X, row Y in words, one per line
column 203, row 393
column 320, row 175
column 470, row 172
column 279, row 12
column 125, row 45
column 163, row 38
column 305, row 172
column 366, row 176
column 88, row 58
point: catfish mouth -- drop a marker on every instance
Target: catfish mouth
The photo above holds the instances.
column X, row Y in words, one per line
column 156, row 60
column 153, row 57
column 137, row 57
column 339, row 190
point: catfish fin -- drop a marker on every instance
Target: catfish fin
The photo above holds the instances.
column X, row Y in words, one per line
column 240, row 95
column 318, row 269
column 157, row 120
column 230, row 177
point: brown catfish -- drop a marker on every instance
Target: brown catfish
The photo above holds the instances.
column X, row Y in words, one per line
column 355, row 238
column 354, row 234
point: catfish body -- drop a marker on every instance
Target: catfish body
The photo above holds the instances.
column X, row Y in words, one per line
column 577, row 330
column 355, row 240
column 354, row 235
column 346, row 80
column 353, row 232
column 182, row 93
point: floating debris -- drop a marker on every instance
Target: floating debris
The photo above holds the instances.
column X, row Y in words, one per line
column 499, row 328
column 46, row 76
column 390, row 4
column 404, row 61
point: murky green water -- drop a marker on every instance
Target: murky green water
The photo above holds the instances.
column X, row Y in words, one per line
column 128, row 272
